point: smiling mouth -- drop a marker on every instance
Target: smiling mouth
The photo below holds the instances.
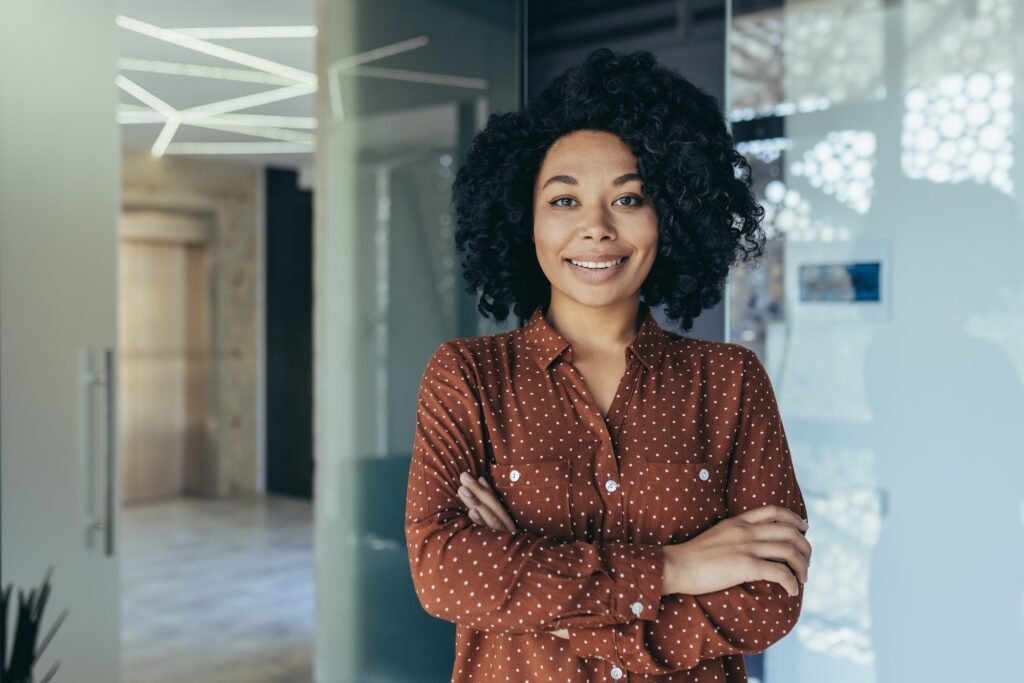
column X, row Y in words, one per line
column 595, row 265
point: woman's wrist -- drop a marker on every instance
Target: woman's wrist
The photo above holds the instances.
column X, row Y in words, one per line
column 672, row 570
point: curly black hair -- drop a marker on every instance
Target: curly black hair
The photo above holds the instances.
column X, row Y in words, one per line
column 708, row 217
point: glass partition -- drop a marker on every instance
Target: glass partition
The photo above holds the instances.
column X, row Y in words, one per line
column 890, row 314
column 404, row 86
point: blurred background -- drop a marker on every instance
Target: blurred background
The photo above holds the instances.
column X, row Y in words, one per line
column 226, row 254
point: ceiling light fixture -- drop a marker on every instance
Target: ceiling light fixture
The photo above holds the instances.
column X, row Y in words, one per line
column 269, row 132
column 418, row 77
column 171, row 115
column 201, row 71
column 225, row 148
column 166, row 135
column 339, row 65
column 244, row 32
column 214, row 50
column 146, row 97
column 143, row 115
column 248, row 101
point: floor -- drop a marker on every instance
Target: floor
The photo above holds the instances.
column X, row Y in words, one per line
column 218, row 591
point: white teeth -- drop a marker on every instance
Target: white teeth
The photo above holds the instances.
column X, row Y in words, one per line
column 594, row 264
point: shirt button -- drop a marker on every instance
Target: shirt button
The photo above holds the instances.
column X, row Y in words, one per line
column 637, row 608
column 611, row 485
column 514, row 475
column 616, row 673
column 704, row 474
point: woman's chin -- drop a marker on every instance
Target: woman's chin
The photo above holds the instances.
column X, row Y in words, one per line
column 598, row 297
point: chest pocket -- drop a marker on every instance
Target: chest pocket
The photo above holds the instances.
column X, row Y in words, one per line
column 679, row 500
column 536, row 494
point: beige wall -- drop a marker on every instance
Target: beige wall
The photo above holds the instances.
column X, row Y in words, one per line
column 231, row 196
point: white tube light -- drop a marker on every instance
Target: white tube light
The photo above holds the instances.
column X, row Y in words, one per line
column 242, row 32
column 146, row 97
column 418, row 77
column 268, row 132
column 247, row 101
column 146, row 115
column 339, row 65
column 166, row 135
column 131, row 116
column 214, row 50
column 380, row 52
column 241, row 120
column 226, row 148
column 201, row 71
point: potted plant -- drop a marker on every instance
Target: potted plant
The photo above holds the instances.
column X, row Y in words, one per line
column 24, row 653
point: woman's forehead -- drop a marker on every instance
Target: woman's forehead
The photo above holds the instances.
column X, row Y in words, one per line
column 588, row 156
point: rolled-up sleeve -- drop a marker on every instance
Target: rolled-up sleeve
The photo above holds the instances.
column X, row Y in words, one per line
column 493, row 580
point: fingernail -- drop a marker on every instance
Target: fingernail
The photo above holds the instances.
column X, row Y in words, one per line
column 482, row 481
column 464, row 492
column 465, row 477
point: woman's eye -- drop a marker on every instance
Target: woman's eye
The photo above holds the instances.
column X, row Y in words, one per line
column 636, row 200
column 561, row 199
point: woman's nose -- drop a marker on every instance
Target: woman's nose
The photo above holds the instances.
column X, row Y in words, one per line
column 597, row 224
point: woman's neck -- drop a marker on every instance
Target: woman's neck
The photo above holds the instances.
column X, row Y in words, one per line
column 592, row 330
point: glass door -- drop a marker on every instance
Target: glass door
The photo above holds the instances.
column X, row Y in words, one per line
column 890, row 313
column 59, row 204
column 404, row 87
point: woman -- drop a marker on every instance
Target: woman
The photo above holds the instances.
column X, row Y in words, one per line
column 592, row 497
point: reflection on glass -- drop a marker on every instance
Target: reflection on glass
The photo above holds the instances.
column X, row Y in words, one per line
column 840, row 282
column 405, row 86
column 890, row 314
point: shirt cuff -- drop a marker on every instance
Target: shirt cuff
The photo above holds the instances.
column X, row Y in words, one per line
column 638, row 570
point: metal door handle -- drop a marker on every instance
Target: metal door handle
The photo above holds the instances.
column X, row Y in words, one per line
column 111, row 443
column 90, row 380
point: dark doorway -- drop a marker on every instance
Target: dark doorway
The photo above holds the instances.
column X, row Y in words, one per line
column 289, row 301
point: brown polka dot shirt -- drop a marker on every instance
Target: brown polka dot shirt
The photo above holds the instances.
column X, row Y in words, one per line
column 692, row 436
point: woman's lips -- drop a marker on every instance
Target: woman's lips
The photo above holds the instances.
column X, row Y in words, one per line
column 595, row 276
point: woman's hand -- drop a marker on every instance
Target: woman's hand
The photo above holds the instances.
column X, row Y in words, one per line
column 486, row 509
column 484, row 506
column 762, row 543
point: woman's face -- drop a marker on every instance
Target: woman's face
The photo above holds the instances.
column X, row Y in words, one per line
column 595, row 232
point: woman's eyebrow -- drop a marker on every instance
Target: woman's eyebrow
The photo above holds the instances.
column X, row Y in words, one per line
column 626, row 177
column 569, row 180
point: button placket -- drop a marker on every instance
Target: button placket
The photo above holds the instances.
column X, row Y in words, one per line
column 606, row 461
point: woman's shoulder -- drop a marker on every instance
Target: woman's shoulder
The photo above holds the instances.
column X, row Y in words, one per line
column 476, row 353
column 694, row 350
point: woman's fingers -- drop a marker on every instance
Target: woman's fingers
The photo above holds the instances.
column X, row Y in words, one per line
column 478, row 512
column 784, row 533
column 490, row 519
column 474, row 515
column 778, row 572
column 774, row 513
column 477, row 492
column 783, row 552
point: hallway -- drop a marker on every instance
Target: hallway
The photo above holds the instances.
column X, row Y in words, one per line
column 218, row 591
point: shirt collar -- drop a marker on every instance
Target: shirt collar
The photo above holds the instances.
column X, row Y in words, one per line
column 545, row 344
